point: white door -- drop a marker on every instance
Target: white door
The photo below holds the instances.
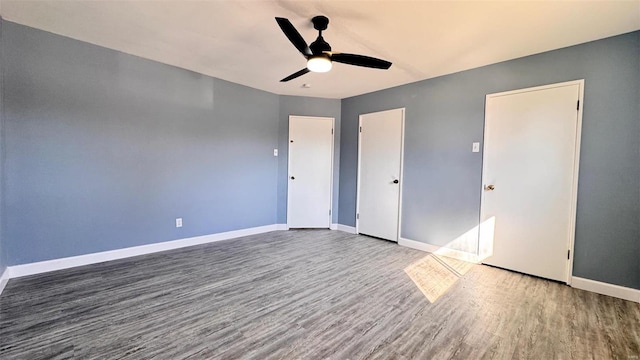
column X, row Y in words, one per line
column 310, row 172
column 379, row 170
column 530, row 165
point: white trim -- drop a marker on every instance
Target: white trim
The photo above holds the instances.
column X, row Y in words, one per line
column 358, row 177
column 400, row 175
column 282, row 227
column 456, row 254
column 333, row 154
column 606, row 289
column 333, row 142
column 345, row 228
column 4, row 278
column 576, row 161
column 538, row 88
column 333, row 226
column 69, row 262
column 576, row 172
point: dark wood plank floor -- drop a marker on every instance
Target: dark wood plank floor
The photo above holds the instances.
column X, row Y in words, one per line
column 304, row 294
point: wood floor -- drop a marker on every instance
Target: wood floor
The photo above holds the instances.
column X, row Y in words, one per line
column 307, row 294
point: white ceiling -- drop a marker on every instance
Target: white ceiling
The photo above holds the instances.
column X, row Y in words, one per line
column 239, row 41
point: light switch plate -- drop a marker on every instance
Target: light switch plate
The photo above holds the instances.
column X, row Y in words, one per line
column 275, row 152
column 179, row 222
column 475, row 147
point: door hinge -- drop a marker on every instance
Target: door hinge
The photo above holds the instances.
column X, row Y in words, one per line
column 578, row 107
column 360, row 128
column 331, row 131
column 568, row 254
column 358, row 216
column 329, row 211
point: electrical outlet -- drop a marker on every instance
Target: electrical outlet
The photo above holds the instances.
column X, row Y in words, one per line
column 275, row 152
column 475, row 147
column 178, row 222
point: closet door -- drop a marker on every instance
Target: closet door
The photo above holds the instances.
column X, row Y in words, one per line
column 310, row 172
column 379, row 173
column 530, row 175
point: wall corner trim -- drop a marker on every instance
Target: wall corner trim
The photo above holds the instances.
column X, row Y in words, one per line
column 94, row 258
column 456, row 254
column 606, row 289
column 4, row 279
column 333, row 226
column 282, row 227
column 345, row 228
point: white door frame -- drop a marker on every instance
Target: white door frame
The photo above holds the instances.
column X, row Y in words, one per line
column 333, row 135
column 576, row 162
column 401, row 174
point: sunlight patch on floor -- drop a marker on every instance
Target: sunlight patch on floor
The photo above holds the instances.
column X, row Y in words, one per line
column 435, row 274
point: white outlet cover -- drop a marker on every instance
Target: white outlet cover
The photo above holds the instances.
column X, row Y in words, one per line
column 179, row 222
column 275, row 152
column 475, row 147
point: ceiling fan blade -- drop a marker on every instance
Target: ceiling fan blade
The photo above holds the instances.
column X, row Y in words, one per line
column 295, row 75
column 294, row 36
column 360, row 60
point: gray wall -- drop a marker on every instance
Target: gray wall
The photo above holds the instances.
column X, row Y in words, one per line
column 442, row 177
column 104, row 150
column 3, row 248
column 306, row 106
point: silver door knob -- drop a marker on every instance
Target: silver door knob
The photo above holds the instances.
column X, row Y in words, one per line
column 489, row 187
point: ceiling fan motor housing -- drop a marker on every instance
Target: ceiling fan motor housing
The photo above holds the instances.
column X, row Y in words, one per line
column 319, row 46
column 320, row 22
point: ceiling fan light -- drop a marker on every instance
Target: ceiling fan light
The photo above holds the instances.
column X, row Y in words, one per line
column 320, row 63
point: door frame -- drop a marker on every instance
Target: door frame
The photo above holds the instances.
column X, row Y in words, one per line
column 576, row 160
column 400, row 174
column 333, row 137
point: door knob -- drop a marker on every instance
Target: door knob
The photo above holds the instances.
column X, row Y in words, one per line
column 395, row 181
column 293, row 178
column 489, row 187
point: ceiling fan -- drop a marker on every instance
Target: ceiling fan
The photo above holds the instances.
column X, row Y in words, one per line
column 319, row 55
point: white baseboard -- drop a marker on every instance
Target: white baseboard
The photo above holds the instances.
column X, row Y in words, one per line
column 4, row 279
column 286, row 227
column 606, row 289
column 456, row 254
column 69, row 262
column 345, row 228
